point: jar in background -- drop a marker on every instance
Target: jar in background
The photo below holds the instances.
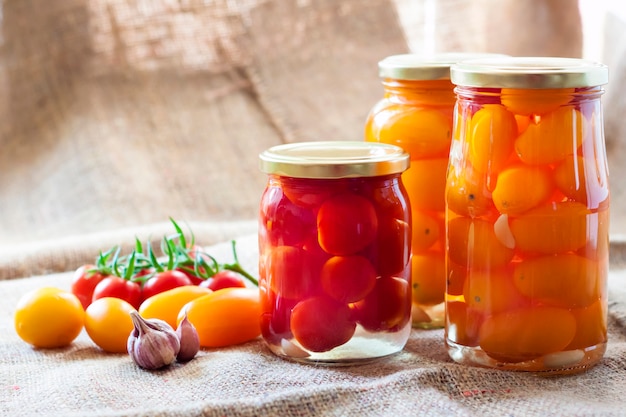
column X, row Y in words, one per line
column 334, row 245
column 416, row 114
column 527, row 201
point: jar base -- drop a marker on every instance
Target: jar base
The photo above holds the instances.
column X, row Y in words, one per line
column 559, row 363
column 364, row 347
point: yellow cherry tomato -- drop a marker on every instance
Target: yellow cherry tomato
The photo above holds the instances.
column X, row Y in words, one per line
column 49, row 317
column 492, row 134
column 473, row 243
column 225, row 317
column 540, row 101
column 521, row 188
column 108, row 323
column 426, row 231
column 167, row 304
column 429, row 278
column 426, row 182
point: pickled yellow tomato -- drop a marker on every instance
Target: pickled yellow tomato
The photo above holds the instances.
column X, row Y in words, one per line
column 425, row 182
column 540, row 101
column 473, row 242
column 426, row 231
column 551, row 228
column 429, row 278
column 527, row 333
column 591, row 325
column 556, row 135
column 492, row 292
column 492, row 134
column 577, row 178
column 521, row 188
column 466, row 192
column 565, row 280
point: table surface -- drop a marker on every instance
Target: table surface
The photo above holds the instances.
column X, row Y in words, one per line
column 248, row 380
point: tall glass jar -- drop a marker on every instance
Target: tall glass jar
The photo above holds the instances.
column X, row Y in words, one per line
column 527, row 218
column 334, row 243
column 415, row 113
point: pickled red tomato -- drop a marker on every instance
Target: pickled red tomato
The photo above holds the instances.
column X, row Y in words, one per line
column 576, row 178
column 551, row 228
column 527, row 333
column 428, row 278
column 492, row 292
column 422, row 132
column 556, row 135
column 348, row 278
column 309, row 193
column 463, row 323
column 565, row 280
column 292, row 272
column 346, row 224
column 386, row 307
column 466, row 192
column 473, row 242
column 491, row 138
column 391, row 255
column 540, row 101
column 521, row 188
column 426, row 182
column 282, row 221
column 591, row 325
column 275, row 316
column 320, row 323
column 427, row 230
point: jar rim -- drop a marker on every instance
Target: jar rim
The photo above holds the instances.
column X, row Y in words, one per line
column 529, row 72
column 334, row 159
column 424, row 66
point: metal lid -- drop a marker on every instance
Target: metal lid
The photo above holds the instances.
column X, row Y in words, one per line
column 424, row 67
column 330, row 159
column 529, row 72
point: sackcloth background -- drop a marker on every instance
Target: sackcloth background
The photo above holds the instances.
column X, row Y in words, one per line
column 118, row 114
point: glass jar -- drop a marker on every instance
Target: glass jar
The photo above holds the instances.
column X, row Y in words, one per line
column 334, row 244
column 527, row 218
column 416, row 114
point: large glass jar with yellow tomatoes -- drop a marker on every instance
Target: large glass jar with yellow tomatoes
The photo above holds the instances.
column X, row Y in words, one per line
column 415, row 113
column 527, row 219
column 334, row 260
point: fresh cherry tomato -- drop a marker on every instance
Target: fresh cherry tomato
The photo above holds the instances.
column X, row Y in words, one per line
column 108, row 323
column 84, row 282
column 163, row 281
column 193, row 278
column 167, row 304
column 224, row 279
column 118, row 288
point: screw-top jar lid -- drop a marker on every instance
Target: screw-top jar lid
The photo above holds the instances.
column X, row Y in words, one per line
column 529, row 72
column 424, row 67
column 330, row 159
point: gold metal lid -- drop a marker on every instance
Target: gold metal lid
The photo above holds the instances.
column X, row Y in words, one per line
column 424, row 67
column 529, row 72
column 330, row 159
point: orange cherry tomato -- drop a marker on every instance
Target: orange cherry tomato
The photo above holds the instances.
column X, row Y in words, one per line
column 428, row 278
column 540, row 101
column 166, row 305
column 426, row 231
column 492, row 134
column 467, row 193
column 473, row 243
column 463, row 323
column 591, row 325
column 521, row 188
column 225, row 317
column 426, row 179
column 492, row 291
column 527, row 333
column 48, row 317
column 108, row 323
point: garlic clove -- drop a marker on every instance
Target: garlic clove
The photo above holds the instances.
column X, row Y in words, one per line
column 153, row 343
column 189, row 340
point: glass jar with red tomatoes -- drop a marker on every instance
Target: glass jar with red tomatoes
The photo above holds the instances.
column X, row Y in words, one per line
column 416, row 114
column 527, row 218
column 334, row 246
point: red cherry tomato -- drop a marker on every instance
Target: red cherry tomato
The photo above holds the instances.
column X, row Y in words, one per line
column 224, row 279
column 387, row 306
column 163, row 281
column 320, row 324
column 84, row 282
column 348, row 278
column 117, row 287
column 195, row 279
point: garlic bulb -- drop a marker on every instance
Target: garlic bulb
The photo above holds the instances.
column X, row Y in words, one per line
column 189, row 340
column 153, row 343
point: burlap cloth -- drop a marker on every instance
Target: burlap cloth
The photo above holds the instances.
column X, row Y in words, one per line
column 247, row 380
column 117, row 114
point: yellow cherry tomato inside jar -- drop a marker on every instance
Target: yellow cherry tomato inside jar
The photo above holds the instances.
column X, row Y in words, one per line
column 334, row 246
column 527, row 209
column 416, row 114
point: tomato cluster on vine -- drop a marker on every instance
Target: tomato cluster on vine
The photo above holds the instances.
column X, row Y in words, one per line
column 142, row 273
